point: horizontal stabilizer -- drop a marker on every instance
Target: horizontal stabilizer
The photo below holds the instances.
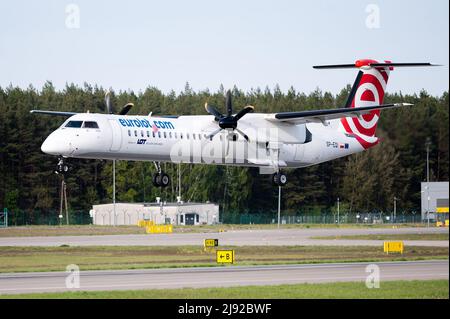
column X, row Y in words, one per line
column 371, row 63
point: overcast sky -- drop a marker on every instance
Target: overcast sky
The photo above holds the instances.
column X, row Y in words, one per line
column 134, row 44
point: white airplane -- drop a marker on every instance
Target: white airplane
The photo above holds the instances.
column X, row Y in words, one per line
column 269, row 141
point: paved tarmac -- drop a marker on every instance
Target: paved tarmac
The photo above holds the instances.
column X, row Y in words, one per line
column 272, row 237
column 221, row 276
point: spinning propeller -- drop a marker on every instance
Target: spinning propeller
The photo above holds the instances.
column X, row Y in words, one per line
column 229, row 121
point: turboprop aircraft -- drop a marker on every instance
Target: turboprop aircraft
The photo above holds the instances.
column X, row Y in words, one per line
column 272, row 142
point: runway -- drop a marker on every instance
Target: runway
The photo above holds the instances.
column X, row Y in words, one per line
column 271, row 237
column 221, row 276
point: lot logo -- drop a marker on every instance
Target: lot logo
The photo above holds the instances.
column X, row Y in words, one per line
column 373, row 279
column 73, row 277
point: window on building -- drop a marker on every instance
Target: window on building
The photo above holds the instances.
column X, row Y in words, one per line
column 181, row 218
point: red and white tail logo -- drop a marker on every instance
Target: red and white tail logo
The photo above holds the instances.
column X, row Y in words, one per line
column 370, row 92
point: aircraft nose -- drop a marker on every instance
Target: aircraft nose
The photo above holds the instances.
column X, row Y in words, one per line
column 56, row 146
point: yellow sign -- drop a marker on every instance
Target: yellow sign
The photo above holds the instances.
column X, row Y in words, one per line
column 393, row 246
column 159, row 229
column 442, row 210
column 211, row 243
column 225, row 256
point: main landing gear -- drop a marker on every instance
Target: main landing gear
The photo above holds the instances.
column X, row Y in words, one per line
column 160, row 179
column 279, row 179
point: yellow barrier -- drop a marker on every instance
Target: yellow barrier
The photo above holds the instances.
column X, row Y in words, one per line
column 446, row 223
column 145, row 223
column 159, row 229
column 393, row 246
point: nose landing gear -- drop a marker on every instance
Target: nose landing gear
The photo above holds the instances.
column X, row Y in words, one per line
column 160, row 179
column 61, row 167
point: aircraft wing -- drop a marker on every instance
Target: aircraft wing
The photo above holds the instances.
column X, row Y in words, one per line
column 321, row 116
column 53, row 113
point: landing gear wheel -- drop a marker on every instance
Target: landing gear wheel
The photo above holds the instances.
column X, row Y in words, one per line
column 279, row 179
column 164, row 180
column 156, row 180
column 161, row 180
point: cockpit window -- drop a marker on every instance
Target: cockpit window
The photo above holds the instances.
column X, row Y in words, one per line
column 88, row 124
column 76, row 124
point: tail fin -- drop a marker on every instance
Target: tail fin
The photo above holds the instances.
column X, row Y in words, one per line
column 368, row 90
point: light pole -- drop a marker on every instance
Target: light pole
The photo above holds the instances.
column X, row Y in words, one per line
column 338, row 210
column 114, row 192
column 279, row 205
column 427, row 144
column 395, row 209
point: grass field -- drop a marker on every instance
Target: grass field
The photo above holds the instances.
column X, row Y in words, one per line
column 429, row 289
column 78, row 230
column 25, row 259
column 437, row 236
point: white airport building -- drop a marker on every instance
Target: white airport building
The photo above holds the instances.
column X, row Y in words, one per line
column 160, row 213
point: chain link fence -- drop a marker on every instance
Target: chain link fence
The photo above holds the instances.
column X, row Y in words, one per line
column 36, row 217
column 77, row 217
column 330, row 218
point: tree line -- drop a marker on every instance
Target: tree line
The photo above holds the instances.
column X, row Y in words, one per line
column 363, row 182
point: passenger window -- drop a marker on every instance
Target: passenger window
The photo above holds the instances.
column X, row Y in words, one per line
column 181, row 135
column 176, row 136
column 170, row 134
column 135, row 133
column 142, row 133
column 129, row 132
column 199, row 136
column 159, row 134
column 153, row 133
column 187, row 135
column 89, row 124
column 193, row 136
column 148, row 134
column 74, row 124
column 164, row 135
